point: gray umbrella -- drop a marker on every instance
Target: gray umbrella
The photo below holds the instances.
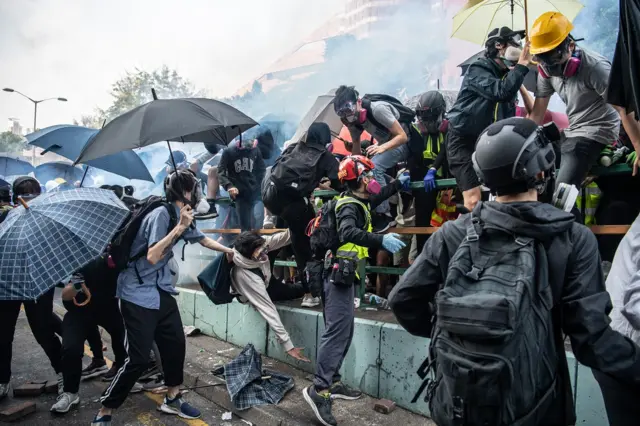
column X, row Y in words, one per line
column 183, row 120
column 321, row 111
column 57, row 234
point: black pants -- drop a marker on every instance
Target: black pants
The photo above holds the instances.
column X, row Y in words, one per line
column 78, row 324
column 93, row 337
column 142, row 327
column 43, row 328
column 425, row 203
column 620, row 400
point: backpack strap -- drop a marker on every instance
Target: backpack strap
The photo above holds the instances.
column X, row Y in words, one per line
column 366, row 104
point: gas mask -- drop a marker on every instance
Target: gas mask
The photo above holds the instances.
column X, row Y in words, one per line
column 373, row 187
column 261, row 254
column 565, row 197
column 203, row 206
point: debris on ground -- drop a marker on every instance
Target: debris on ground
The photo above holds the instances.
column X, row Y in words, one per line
column 190, row 330
column 29, row 389
column 384, row 406
column 17, row 411
column 227, row 416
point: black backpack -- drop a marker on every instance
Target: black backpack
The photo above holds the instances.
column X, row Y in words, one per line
column 492, row 349
column 215, row 280
column 407, row 115
column 120, row 249
column 295, row 171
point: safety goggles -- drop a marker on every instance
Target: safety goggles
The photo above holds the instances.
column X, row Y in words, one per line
column 347, row 110
column 552, row 57
column 429, row 114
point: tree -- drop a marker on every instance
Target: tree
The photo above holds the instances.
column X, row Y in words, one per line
column 10, row 142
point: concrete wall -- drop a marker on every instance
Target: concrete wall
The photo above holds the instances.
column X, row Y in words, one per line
column 382, row 360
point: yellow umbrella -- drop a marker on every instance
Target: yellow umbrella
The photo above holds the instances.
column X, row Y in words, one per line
column 478, row 17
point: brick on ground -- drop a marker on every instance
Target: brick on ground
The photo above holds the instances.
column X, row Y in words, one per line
column 384, row 406
column 29, row 389
column 17, row 411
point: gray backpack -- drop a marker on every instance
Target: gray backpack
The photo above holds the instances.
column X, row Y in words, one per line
column 492, row 351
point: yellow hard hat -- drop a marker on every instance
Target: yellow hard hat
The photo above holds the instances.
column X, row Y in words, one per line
column 548, row 31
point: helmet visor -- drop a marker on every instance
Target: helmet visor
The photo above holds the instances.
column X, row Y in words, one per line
column 347, row 110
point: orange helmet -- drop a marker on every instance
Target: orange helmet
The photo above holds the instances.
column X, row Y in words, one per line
column 353, row 166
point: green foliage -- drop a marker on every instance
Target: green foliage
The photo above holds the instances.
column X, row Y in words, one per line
column 10, row 142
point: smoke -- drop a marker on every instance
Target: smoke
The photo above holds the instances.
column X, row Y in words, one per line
column 598, row 24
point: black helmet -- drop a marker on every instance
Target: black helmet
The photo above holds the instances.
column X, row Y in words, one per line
column 176, row 184
column 431, row 106
column 511, row 153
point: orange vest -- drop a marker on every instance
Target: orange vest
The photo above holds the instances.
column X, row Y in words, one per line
column 445, row 209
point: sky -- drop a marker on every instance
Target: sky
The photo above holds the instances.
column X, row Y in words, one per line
column 77, row 48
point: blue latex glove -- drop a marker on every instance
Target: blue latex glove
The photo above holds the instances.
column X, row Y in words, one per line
column 405, row 181
column 392, row 243
column 430, row 180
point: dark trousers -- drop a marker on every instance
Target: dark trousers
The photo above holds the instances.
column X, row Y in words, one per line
column 39, row 316
column 425, row 202
column 339, row 314
column 578, row 155
column 620, row 400
column 142, row 327
column 244, row 211
column 93, row 337
column 78, row 324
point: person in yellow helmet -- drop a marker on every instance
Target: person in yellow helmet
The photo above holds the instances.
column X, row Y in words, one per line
column 580, row 77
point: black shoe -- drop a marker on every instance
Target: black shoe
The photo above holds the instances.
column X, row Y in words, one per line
column 320, row 404
column 211, row 214
column 341, row 391
column 98, row 367
column 109, row 375
column 150, row 373
column 381, row 223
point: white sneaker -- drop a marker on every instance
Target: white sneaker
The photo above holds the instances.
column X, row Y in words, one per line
column 65, row 402
column 269, row 222
column 310, row 302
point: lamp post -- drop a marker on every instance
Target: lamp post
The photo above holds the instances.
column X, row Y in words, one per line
column 35, row 112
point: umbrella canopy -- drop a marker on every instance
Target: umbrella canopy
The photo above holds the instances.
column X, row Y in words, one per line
column 530, row 81
column 68, row 141
column 321, row 111
column 55, row 236
column 58, row 169
column 182, row 120
column 13, row 165
column 478, row 17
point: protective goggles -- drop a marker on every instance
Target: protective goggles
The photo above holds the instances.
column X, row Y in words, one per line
column 429, row 114
column 553, row 57
column 346, row 110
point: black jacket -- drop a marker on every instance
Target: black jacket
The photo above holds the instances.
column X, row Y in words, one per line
column 243, row 169
column 352, row 220
column 101, row 282
column 488, row 94
column 576, row 277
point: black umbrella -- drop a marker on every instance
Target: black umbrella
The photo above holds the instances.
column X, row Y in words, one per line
column 184, row 120
column 530, row 81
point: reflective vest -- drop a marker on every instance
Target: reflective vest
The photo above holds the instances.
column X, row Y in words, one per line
column 445, row 210
column 350, row 250
column 593, row 195
column 429, row 153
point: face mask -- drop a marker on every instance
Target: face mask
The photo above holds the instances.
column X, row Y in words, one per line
column 512, row 53
column 373, row 187
column 433, row 127
column 262, row 255
column 351, row 118
column 556, row 70
column 202, row 207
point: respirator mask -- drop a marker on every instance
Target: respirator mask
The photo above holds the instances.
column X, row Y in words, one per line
column 565, row 197
column 262, row 255
column 373, row 187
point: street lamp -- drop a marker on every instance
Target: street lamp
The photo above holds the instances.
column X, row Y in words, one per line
column 35, row 111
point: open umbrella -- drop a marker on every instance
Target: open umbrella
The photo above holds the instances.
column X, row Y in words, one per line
column 53, row 236
column 530, row 81
column 183, row 120
column 68, row 141
column 13, row 165
column 478, row 17
column 58, row 169
column 321, row 111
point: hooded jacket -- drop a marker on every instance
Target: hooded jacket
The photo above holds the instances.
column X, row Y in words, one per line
column 582, row 303
column 488, row 94
column 243, row 169
column 252, row 288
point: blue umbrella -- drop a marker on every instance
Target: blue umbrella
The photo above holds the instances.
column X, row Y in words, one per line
column 68, row 141
column 53, row 236
column 12, row 165
column 58, row 169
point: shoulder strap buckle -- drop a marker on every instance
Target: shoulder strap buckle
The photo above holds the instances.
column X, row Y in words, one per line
column 474, row 273
column 473, row 229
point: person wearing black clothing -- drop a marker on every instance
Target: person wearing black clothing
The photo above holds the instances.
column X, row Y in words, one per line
column 292, row 203
column 81, row 321
column 487, row 94
column 516, row 166
column 39, row 312
column 241, row 171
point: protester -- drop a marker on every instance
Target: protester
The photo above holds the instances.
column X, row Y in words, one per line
column 287, row 190
column 555, row 286
column 580, row 77
column 79, row 321
column 251, row 275
column 384, row 122
column 488, row 94
column 39, row 312
column 241, row 171
column 5, row 202
column 148, row 307
column 196, row 167
column 353, row 221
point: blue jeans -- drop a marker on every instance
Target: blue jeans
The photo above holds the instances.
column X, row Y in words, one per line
column 384, row 162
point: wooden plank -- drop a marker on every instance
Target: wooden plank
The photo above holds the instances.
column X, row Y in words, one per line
column 610, row 229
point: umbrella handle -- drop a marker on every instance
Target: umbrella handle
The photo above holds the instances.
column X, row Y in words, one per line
column 87, row 293
column 23, row 202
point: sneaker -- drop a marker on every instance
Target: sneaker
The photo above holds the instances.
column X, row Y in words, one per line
column 109, row 375
column 65, row 402
column 98, row 367
column 137, row 388
column 180, row 407
column 151, row 372
column 341, row 391
column 60, row 384
column 4, row 390
column 101, row 421
column 382, row 222
column 320, row 404
column 269, row 222
column 211, row 214
column 155, row 386
column 310, row 302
